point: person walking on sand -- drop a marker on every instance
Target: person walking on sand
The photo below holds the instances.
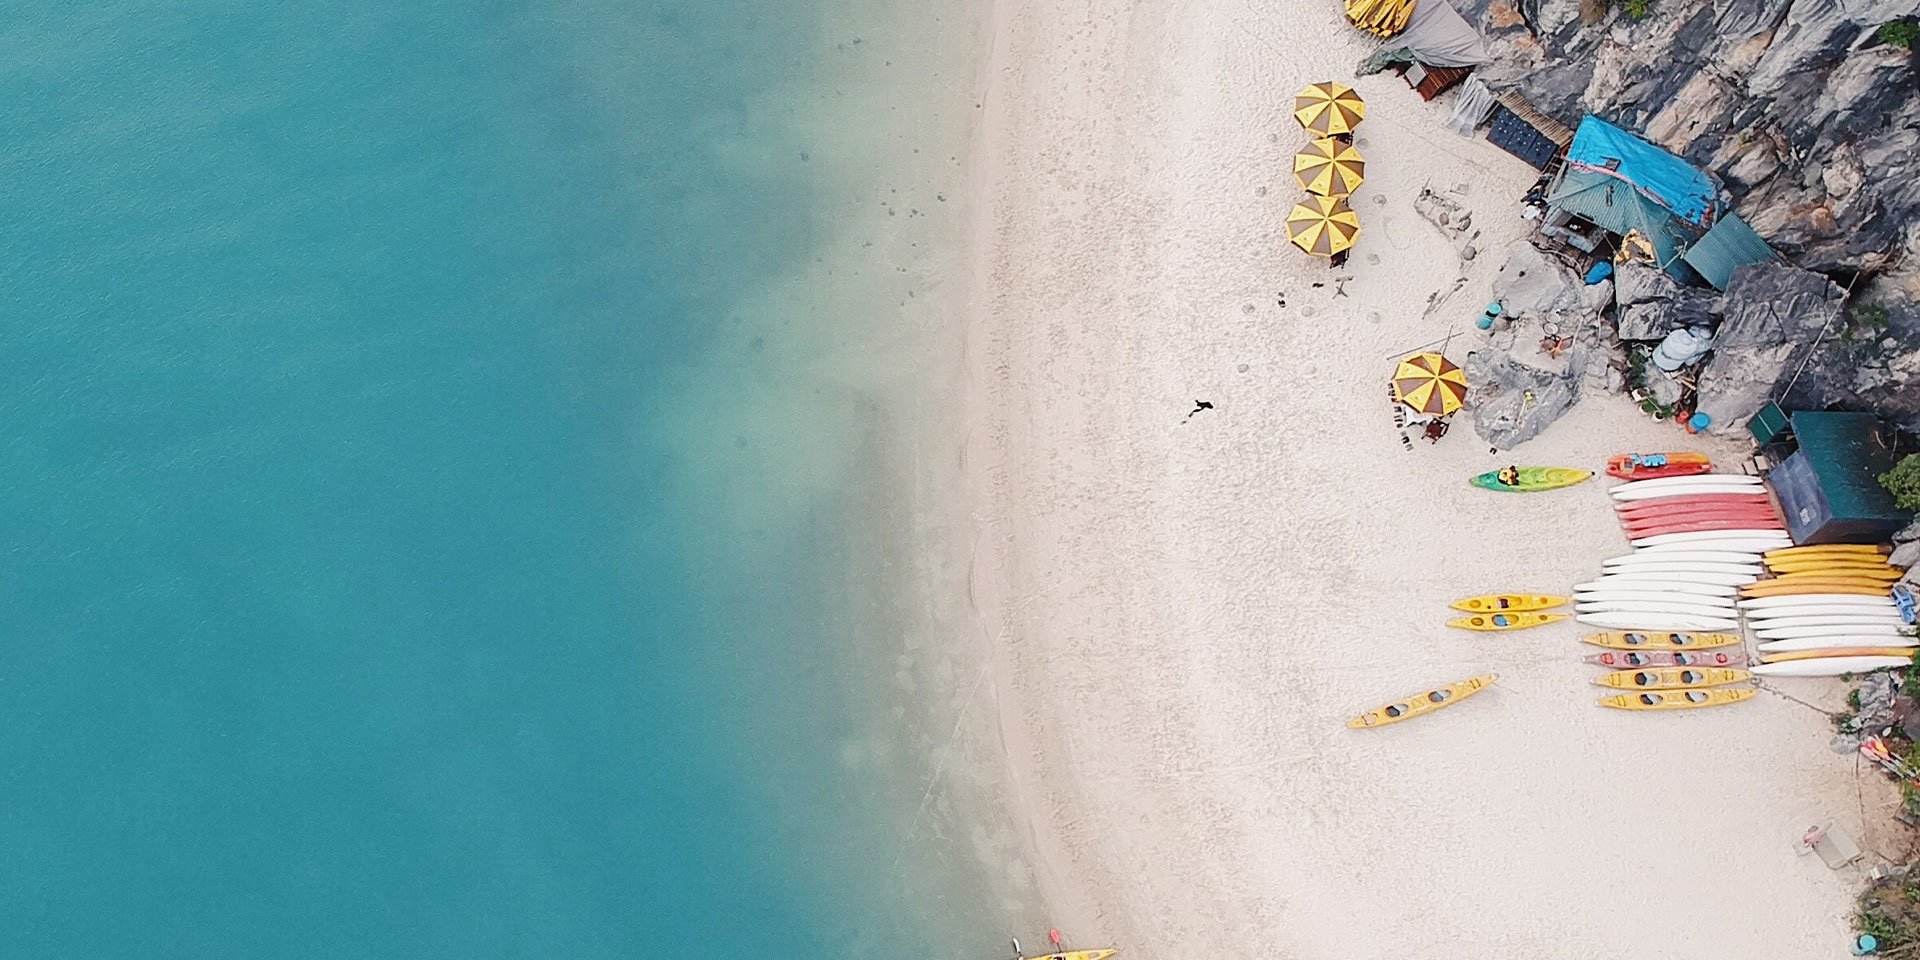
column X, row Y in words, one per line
column 1198, row 405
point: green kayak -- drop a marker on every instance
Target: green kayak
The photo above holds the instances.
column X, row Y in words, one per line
column 1533, row 479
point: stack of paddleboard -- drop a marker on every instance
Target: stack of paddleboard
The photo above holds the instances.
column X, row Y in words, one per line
column 1708, row 502
column 1697, row 540
column 1826, row 612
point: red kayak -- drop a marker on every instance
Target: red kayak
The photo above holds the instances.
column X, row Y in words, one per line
column 1619, row 659
column 1668, row 519
column 1697, row 526
column 1648, row 466
column 1697, row 500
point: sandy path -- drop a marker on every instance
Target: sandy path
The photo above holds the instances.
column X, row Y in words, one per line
column 1192, row 610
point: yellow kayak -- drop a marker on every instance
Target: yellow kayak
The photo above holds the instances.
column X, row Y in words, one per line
column 1638, row 640
column 1670, row 678
column 1497, row 602
column 1100, row 954
column 1859, row 562
column 1677, row 699
column 1787, row 655
column 1835, row 585
column 1426, row 701
column 1505, row 621
column 1881, row 572
column 1827, row 549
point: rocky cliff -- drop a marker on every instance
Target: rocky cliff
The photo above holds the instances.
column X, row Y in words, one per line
column 1811, row 122
column 1813, row 125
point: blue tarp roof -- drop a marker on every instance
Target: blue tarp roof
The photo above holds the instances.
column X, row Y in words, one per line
column 1668, row 180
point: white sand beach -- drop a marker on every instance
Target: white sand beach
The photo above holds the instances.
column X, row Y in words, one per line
column 1188, row 611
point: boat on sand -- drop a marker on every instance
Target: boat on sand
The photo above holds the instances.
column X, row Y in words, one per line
column 1426, row 701
column 1677, row 699
column 1532, row 479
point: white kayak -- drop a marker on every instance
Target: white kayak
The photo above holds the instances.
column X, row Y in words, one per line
column 1786, row 601
column 1831, row 620
column 1692, row 479
column 1738, row 543
column 1690, row 556
column 1660, row 493
column 1827, row 666
column 1620, row 620
column 1835, row 643
column 1661, row 606
column 1759, row 615
column 1766, row 538
column 1652, row 595
column 1656, row 581
column 1681, row 573
column 1689, row 566
column 1769, row 630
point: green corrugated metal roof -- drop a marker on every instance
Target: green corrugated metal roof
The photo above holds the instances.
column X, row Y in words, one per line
column 1617, row 207
column 1729, row 245
column 1848, row 454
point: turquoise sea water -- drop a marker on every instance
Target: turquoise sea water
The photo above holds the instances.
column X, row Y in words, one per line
column 369, row 589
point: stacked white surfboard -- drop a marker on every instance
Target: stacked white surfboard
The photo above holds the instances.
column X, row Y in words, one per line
column 1678, row 581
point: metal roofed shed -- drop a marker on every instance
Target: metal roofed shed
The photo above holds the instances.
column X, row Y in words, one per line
column 1616, row 183
column 1670, row 182
column 1829, row 488
column 1730, row 245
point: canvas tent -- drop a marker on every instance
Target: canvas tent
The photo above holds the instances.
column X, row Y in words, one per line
column 1436, row 36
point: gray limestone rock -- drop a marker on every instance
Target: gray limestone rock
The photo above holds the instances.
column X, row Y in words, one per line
column 1533, row 284
column 1518, row 390
column 1654, row 319
column 1636, row 282
column 1770, row 314
column 1906, row 554
column 1867, row 370
column 1909, row 534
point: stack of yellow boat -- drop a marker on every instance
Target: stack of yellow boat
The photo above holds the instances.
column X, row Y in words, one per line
column 1382, row 18
column 1834, row 569
column 1677, row 684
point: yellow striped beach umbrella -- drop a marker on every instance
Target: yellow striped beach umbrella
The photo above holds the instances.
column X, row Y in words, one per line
column 1329, row 108
column 1323, row 226
column 1430, row 383
column 1329, row 168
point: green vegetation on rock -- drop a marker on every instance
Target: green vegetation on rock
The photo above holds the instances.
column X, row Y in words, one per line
column 1900, row 33
column 1903, row 481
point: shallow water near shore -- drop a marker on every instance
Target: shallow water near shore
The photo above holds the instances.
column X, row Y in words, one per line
column 438, row 441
